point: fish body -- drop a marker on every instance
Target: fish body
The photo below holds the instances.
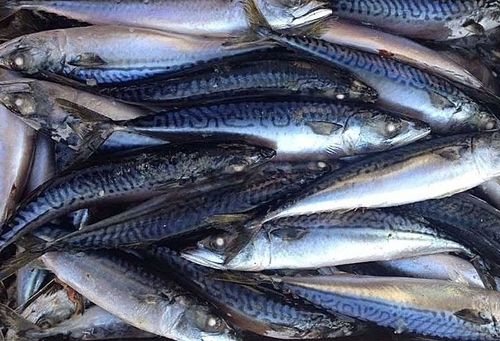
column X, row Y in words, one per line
column 424, row 19
column 325, row 129
column 427, row 170
column 245, row 80
column 173, row 216
column 139, row 297
column 16, row 150
column 401, row 87
column 218, row 18
column 262, row 313
column 428, row 307
column 468, row 219
column 353, row 237
column 439, row 266
column 131, row 177
column 395, row 47
column 97, row 55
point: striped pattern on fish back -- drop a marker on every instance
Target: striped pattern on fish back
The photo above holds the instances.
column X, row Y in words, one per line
column 426, row 10
column 356, row 61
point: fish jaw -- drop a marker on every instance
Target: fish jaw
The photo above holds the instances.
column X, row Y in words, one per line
column 205, row 258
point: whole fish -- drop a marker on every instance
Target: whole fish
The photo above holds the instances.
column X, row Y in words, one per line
column 97, row 55
column 199, row 17
column 137, row 296
column 245, row 80
column 491, row 191
column 401, row 87
column 134, row 176
column 173, row 215
column 395, row 47
column 423, row 19
column 438, row 266
column 424, row 306
column 94, row 323
column 262, row 312
column 16, row 150
column 431, row 169
column 467, row 219
column 67, row 115
column 326, row 129
column 353, row 237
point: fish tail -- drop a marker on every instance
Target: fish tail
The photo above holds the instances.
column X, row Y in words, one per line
column 12, row 320
column 7, row 8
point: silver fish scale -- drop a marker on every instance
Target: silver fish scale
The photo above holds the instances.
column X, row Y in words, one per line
column 444, row 324
column 412, row 9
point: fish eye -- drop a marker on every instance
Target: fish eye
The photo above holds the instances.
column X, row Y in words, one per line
column 491, row 124
column 218, row 243
column 21, row 103
column 43, row 323
column 212, row 324
column 18, row 62
column 392, row 127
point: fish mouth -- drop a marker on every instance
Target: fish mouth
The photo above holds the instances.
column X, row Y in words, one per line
column 417, row 130
column 303, row 18
column 15, row 86
column 205, row 258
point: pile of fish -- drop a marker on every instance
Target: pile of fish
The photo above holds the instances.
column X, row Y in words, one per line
column 223, row 170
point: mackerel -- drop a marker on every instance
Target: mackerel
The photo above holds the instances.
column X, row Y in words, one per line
column 97, row 55
column 218, row 18
column 353, row 237
column 401, row 87
column 431, row 169
column 423, row 19
column 133, row 176
column 244, row 80
column 429, row 307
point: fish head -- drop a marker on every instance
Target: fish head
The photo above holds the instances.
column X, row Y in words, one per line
column 370, row 131
column 212, row 251
column 201, row 322
column 470, row 117
column 29, row 54
column 285, row 14
column 242, row 157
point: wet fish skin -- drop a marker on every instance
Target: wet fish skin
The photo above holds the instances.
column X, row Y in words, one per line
column 94, row 323
column 67, row 115
column 427, row 19
column 431, row 169
column 152, row 303
column 218, row 18
column 395, row 47
column 142, row 175
column 491, row 190
column 245, row 80
column 328, row 129
column 172, row 216
column 263, row 313
column 428, row 307
column 98, row 55
column 468, row 219
column 401, row 87
column 16, row 150
column 438, row 266
column 29, row 280
column 55, row 305
column 353, row 237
